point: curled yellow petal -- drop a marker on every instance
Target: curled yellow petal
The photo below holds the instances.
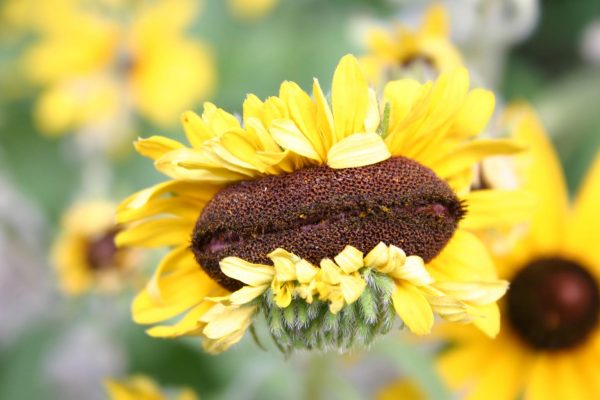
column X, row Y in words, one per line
column 358, row 150
column 244, row 271
column 350, row 259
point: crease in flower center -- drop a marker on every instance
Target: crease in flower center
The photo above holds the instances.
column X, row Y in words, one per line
column 317, row 211
column 554, row 304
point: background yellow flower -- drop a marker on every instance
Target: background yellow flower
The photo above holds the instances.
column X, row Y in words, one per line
column 548, row 346
column 96, row 66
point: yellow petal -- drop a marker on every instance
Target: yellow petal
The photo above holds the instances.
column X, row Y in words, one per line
column 507, row 365
column 395, row 259
column 372, row 118
column 218, row 120
column 466, row 156
column 216, row 346
column 403, row 389
column 464, row 258
column 179, row 260
column 584, row 231
column 139, row 200
column 350, row 98
column 155, row 147
column 324, row 117
column 247, row 294
column 193, row 165
column 283, row 296
column 244, row 271
column 477, row 293
column 412, row 270
column 305, row 271
column 285, row 268
column 303, row 112
column 401, row 95
column 488, row 319
column 178, row 293
column 225, row 320
column 187, row 325
column 350, row 259
column 377, row 257
column 358, row 150
column 288, row 136
column 496, row 208
column 412, row 307
column 330, row 273
column 475, row 113
column 196, row 130
column 540, row 173
column 352, row 287
column 436, row 22
column 156, row 233
column 462, row 364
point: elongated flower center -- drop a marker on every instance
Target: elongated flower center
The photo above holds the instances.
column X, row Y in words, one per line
column 315, row 212
column 101, row 251
column 553, row 304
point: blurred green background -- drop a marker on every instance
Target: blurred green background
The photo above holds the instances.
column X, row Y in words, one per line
column 297, row 40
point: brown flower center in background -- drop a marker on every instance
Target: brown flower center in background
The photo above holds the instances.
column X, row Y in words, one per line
column 553, row 304
column 102, row 251
column 315, row 212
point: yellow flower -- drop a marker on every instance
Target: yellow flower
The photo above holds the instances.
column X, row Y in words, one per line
column 95, row 69
column 389, row 52
column 85, row 254
column 251, row 10
column 403, row 389
column 550, row 342
column 308, row 209
column 140, row 387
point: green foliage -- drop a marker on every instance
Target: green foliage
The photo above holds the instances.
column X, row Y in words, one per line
column 314, row 326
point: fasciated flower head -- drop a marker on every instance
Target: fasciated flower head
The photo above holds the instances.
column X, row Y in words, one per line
column 98, row 65
column 390, row 52
column 85, row 254
column 140, row 387
column 328, row 219
column 549, row 345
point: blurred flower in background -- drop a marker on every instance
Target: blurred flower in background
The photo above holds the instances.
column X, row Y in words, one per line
column 251, row 10
column 427, row 47
column 85, row 255
column 105, row 70
column 98, row 64
column 402, row 389
column 141, row 387
column 549, row 345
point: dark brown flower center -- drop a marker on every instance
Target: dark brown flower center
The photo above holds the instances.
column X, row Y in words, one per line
column 101, row 252
column 553, row 304
column 315, row 212
column 418, row 59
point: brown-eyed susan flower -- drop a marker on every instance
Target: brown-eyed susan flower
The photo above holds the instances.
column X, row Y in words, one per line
column 328, row 218
column 389, row 51
column 96, row 65
column 549, row 344
column 85, row 255
column 139, row 387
